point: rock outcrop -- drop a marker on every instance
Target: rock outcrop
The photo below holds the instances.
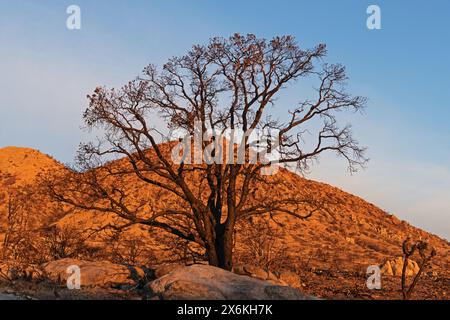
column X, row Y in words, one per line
column 258, row 273
column 10, row 270
column 164, row 269
column 283, row 278
column 394, row 267
column 7, row 296
column 291, row 279
column 202, row 282
column 93, row 274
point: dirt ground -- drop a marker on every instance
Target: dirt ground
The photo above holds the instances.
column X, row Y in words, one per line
column 325, row 284
column 352, row 285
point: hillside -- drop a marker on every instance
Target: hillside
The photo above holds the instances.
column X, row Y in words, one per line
column 351, row 235
column 24, row 164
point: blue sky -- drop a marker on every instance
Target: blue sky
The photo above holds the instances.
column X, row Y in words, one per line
column 47, row 70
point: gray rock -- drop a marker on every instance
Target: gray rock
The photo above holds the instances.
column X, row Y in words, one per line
column 7, row 296
column 164, row 269
column 202, row 282
column 94, row 273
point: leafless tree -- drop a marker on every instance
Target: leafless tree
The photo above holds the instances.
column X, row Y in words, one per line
column 426, row 253
column 227, row 84
column 128, row 249
column 17, row 220
column 63, row 242
column 261, row 245
column 29, row 234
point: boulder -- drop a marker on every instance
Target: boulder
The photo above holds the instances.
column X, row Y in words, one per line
column 202, row 282
column 94, row 273
column 255, row 272
column 291, row 279
column 394, row 267
column 350, row 240
column 8, row 296
column 284, row 278
column 13, row 271
column 164, row 269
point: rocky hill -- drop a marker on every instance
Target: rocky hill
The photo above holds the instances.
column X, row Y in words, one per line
column 347, row 237
column 20, row 166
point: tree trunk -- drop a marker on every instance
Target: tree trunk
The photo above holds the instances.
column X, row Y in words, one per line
column 213, row 259
column 220, row 253
column 224, row 249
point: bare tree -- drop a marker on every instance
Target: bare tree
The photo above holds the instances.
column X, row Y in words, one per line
column 227, row 84
column 261, row 245
column 130, row 250
column 30, row 235
column 426, row 252
column 17, row 221
column 63, row 242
